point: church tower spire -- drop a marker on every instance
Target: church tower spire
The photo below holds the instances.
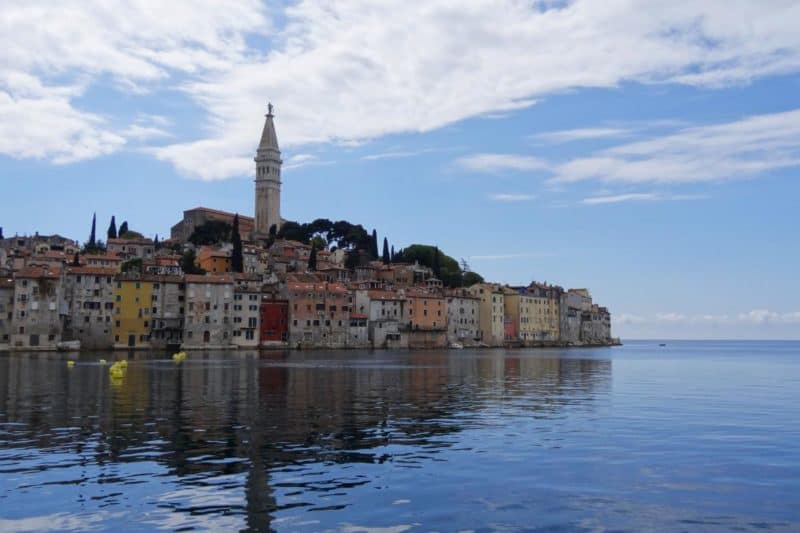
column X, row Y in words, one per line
column 268, row 179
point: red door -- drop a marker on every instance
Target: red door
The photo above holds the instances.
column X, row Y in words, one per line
column 274, row 321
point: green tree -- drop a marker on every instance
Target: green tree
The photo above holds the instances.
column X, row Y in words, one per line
column 312, row 258
column 189, row 263
column 92, row 235
column 211, row 232
column 448, row 269
column 123, row 229
column 351, row 260
column 156, row 243
column 132, row 265
column 391, row 255
column 374, row 244
column 112, row 228
column 437, row 265
column 386, row 257
column 471, row 278
column 237, row 261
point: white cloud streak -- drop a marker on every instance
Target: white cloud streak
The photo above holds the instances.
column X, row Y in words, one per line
column 745, row 148
column 639, row 197
column 345, row 71
column 581, row 134
column 493, row 163
column 511, row 197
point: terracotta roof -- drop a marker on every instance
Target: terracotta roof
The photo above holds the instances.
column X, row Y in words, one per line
column 218, row 212
column 38, row 272
column 92, row 270
column 209, row 278
column 377, row 294
column 144, row 241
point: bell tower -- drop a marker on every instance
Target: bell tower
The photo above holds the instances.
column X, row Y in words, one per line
column 268, row 179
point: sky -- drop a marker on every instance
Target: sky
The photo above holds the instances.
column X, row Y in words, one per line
column 647, row 150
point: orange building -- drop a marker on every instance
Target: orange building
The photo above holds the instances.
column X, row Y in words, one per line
column 427, row 318
column 213, row 260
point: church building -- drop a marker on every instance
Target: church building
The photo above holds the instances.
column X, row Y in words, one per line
column 268, row 181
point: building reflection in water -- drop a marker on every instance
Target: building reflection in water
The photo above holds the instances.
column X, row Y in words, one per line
column 239, row 418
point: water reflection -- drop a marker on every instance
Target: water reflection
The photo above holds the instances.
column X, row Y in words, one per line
column 233, row 440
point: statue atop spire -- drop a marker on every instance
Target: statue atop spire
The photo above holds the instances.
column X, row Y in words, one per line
column 269, row 109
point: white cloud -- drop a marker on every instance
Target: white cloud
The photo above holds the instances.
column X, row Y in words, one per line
column 639, row 197
column 53, row 51
column 511, row 197
column 581, row 134
column 503, row 257
column 347, row 71
column 500, row 163
column 147, row 127
column 754, row 317
column 40, row 123
column 744, row 148
column 303, row 160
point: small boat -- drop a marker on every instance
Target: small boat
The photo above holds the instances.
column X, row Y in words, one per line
column 68, row 346
column 663, row 344
column 456, row 346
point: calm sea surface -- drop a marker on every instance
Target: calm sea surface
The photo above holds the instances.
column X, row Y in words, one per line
column 691, row 436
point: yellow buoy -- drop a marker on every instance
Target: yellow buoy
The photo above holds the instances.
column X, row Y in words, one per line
column 102, row 361
column 180, row 356
column 70, row 364
column 123, row 363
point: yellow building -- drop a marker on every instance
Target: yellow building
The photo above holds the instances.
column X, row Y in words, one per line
column 519, row 312
column 133, row 301
column 545, row 311
column 491, row 312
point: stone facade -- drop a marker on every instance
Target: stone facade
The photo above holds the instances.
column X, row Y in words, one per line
column 491, row 314
column 167, row 313
column 246, row 311
column 6, row 311
column 40, row 308
column 198, row 216
column 319, row 314
column 463, row 317
column 131, row 248
column 385, row 312
column 209, row 310
column 268, row 180
column 90, row 295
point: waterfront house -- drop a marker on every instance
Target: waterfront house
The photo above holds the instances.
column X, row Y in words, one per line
column 209, row 306
column 491, row 313
column 133, row 298
column 40, row 308
column 89, row 291
column 463, row 312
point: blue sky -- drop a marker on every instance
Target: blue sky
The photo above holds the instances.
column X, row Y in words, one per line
column 648, row 152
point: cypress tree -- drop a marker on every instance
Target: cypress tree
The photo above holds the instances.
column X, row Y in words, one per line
column 123, row 229
column 112, row 228
column 312, row 258
column 237, row 261
column 386, row 257
column 391, row 254
column 92, row 240
column 437, row 269
column 374, row 250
